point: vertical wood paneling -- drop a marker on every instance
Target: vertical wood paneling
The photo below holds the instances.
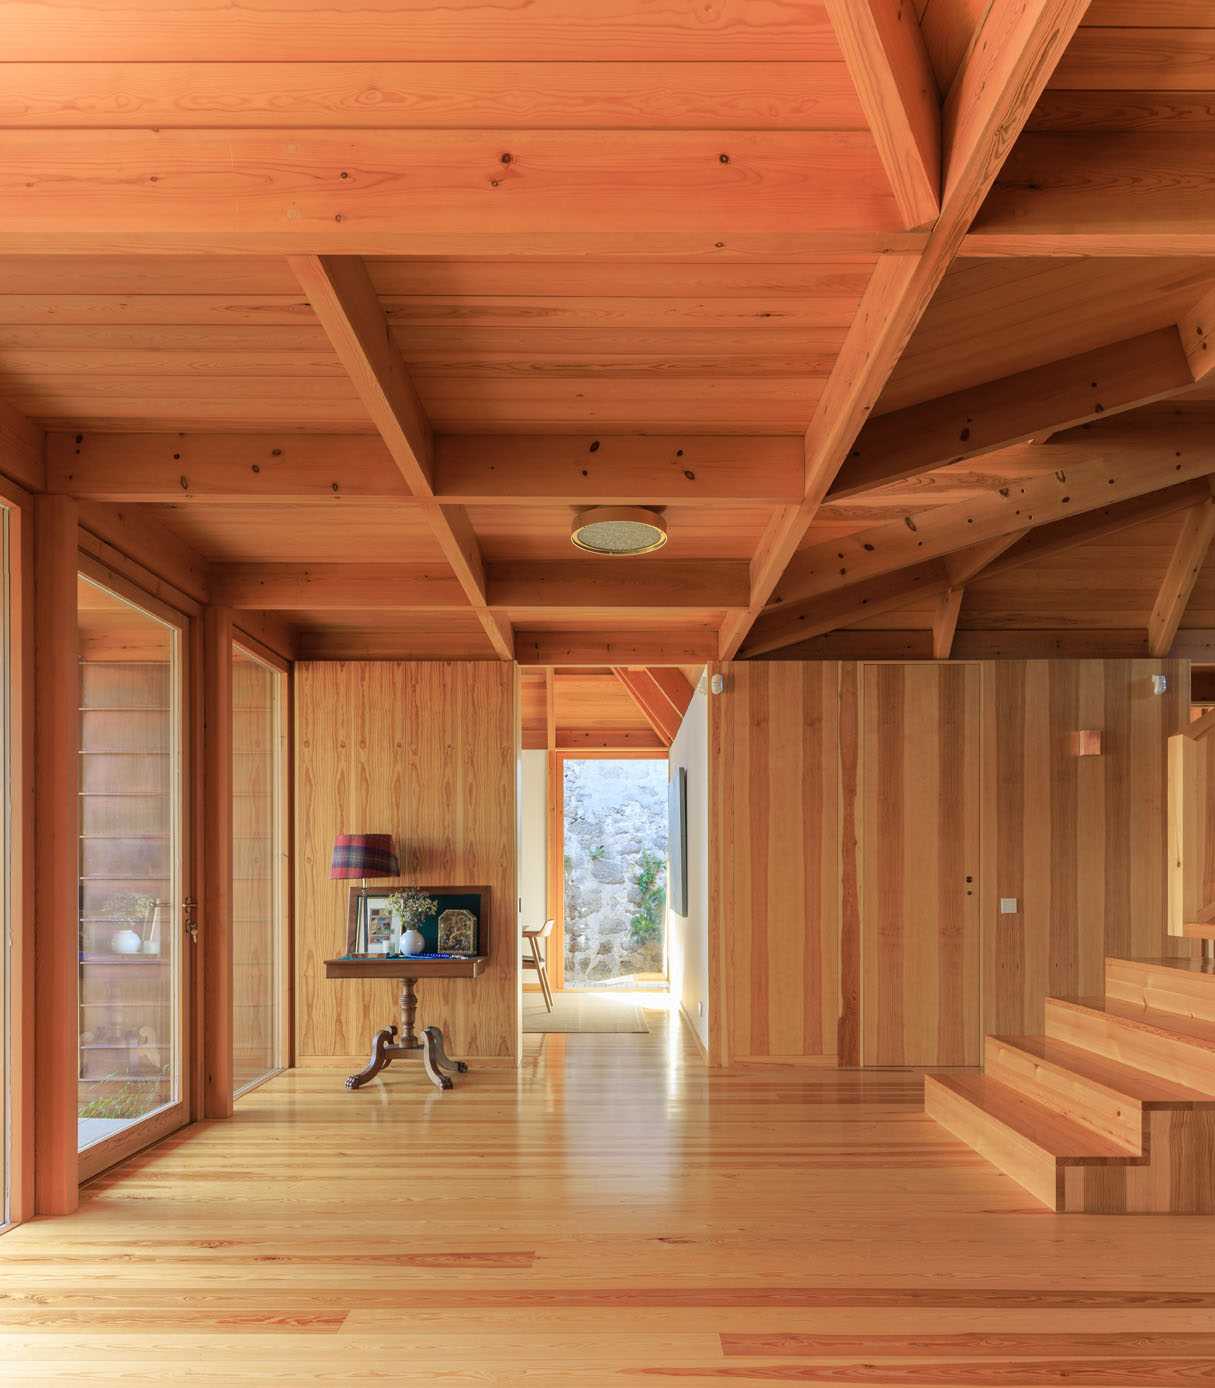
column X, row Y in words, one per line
column 424, row 751
column 920, row 936
column 217, row 884
column 1079, row 841
column 776, row 867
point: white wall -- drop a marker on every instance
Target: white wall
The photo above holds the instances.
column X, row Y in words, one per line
column 688, row 936
column 533, row 840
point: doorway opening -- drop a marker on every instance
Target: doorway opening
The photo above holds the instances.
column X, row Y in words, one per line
column 612, row 851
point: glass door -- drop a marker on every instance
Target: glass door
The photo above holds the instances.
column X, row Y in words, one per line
column 133, row 948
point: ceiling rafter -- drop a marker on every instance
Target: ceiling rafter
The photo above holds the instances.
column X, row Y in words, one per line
column 1189, row 555
column 945, row 622
column 888, row 61
column 786, row 626
column 342, row 296
column 1005, row 70
column 653, row 707
column 1014, row 409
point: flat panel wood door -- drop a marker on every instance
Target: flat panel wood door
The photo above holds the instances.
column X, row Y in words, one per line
column 920, row 904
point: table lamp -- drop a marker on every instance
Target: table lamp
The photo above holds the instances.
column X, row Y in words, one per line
column 364, row 856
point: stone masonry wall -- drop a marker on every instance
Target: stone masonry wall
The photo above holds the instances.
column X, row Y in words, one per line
column 615, row 829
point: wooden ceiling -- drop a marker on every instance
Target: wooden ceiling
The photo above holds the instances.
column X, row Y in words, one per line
column 899, row 313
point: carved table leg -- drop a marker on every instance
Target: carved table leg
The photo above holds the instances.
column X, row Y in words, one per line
column 441, row 1055
column 410, row 1040
column 380, row 1059
column 431, row 1061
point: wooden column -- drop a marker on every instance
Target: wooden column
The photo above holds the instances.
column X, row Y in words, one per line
column 56, row 734
column 216, row 925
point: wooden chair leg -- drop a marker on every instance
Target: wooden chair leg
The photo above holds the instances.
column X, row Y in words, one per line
column 542, row 974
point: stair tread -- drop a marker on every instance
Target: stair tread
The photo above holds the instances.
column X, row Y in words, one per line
column 1189, row 1029
column 1111, row 1074
column 1054, row 1134
column 1190, row 966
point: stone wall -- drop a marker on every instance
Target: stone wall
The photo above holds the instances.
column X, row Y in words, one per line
column 615, row 838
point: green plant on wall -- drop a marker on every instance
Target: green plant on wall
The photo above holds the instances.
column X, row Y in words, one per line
column 650, row 882
column 597, row 852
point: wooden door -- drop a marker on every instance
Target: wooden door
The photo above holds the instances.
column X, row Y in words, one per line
column 920, row 903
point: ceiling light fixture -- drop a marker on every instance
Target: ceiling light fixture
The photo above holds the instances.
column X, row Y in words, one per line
column 619, row 530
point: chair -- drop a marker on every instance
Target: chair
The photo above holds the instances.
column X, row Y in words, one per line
column 537, row 959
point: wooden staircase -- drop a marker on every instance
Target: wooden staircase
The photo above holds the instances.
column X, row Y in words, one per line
column 1113, row 1110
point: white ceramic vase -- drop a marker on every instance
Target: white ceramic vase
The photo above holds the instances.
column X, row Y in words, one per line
column 126, row 942
column 413, row 942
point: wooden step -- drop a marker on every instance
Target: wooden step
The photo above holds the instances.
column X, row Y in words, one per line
column 1109, row 1097
column 1184, row 987
column 1026, row 1140
column 1175, row 1048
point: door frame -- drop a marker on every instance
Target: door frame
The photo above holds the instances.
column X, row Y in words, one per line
column 555, row 838
column 102, row 1155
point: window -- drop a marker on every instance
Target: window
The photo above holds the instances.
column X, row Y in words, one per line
column 258, row 865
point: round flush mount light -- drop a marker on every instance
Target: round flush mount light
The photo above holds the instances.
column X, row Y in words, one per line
column 619, row 530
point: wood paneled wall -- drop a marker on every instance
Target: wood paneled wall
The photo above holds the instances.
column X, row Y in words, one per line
column 802, row 828
column 776, row 855
column 425, row 751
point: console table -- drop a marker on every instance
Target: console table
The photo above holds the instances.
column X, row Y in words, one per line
column 385, row 1045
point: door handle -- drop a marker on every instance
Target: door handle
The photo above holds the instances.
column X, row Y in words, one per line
column 189, row 918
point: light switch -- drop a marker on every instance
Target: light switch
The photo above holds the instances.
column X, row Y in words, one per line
column 1008, row 905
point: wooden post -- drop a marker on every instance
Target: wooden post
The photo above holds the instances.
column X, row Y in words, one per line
column 57, row 925
column 216, row 932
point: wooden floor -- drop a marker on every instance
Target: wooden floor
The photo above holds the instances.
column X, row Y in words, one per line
column 611, row 1215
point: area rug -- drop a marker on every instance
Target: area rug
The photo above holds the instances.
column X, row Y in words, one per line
column 588, row 1012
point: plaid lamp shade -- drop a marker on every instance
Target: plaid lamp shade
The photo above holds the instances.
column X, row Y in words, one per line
column 364, row 855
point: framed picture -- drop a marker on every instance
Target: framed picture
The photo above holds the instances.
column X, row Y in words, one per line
column 454, row 927
column 677, row 840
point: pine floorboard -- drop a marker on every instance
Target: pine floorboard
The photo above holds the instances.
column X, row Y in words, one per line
column 613, row 1214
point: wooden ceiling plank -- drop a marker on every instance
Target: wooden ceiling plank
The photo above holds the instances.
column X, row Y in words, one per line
column 945, row 622
column 788, row 624
column 1006, row 68
column 885, row 53
column 678, row 646
column 651, row 704
column 1189, row 555
column 335, row 587
column 1085, row 479
column 1014, row 409
column 341, row 294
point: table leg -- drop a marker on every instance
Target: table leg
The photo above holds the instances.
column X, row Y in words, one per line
column 410, row 1040
column 380, row 1059
column 431, row 1060
column 441, row 1054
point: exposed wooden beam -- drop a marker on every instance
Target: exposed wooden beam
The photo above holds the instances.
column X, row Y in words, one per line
column 1035, row 545
column 631, row 740
column 341, row 294
column 21, row 449
column 490, row 469
column 711, row 584
column 678, row 646
column 968, row 563
column 1014, row 409
column 650, row 701
column 344, row 299
column 436, row 192
column 885, row 53
column 163, row 557
column 335, row 587
column 674, row 687
column 787, row 625
column 1005, row 70
column 1197, row 328
column 945, row 622
column 1087, row 476
column 1189, row 555
column 619, row 469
